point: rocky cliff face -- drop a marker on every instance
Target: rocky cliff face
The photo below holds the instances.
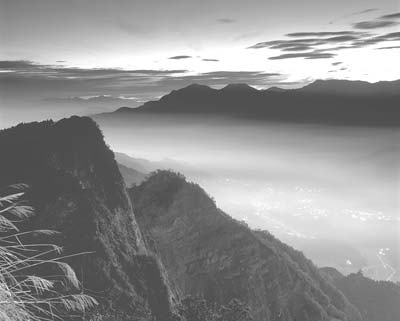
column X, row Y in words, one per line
column 76, row 188
column 208, row 253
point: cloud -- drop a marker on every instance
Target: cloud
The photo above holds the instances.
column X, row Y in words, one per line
column 336, row 63
column 356, row 13
column 24, row 78
column 294, row 48
column 374, row 24
column 238, row 74
column 28, row 81
column 340, row 69
column 392, row 36
column 226, row 77
column 321, row 34
column 26, row 67
column 210, row 59
column 364, row 11
column 222, row 78
column 180, row 57
column 18, row 65
column 392, row 47
column 391, row 16
column 312, row 45
column 319, row 39
column 341, row 38
column 376, row 39
column 308, row 55
column 325, row 44
column 226, row 20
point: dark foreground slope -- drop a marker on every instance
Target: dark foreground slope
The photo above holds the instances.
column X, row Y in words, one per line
column 376, row 300
column 208, row 253
column 76, row 188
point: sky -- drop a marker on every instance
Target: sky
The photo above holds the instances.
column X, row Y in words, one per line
column 139, row 50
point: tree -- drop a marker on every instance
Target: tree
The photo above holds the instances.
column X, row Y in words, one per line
column 235, row 311
column 198, row 309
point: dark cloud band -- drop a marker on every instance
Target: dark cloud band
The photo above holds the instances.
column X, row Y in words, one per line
column 320, row 45
column 374, row 24
column 321, row 34
column 311, row 55
column 25, row 78
column 226, row 20
column 391, row 16
column 180, row 57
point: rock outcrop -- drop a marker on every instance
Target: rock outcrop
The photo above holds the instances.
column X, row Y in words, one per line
column 77, row 189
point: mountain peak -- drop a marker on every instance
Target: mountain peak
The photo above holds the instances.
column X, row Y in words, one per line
column 188, row 91
column 195, row 87
column 239, row 87
column 275, row 89
column 124, row 109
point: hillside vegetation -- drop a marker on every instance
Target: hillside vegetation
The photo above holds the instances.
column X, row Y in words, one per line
column 208, row 253
column 376, row 300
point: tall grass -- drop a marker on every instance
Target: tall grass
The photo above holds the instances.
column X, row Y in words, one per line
column 25, row 294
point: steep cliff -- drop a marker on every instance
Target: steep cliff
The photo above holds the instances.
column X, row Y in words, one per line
column 77, row 189
column 208, row 253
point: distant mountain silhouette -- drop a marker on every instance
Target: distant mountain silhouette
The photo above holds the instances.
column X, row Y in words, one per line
column 339, row 102
column 354, row 88
column 142, row 165
column 145, row 166
column 99, row 101
column 131, row 176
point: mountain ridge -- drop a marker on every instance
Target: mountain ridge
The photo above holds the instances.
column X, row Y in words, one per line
column 338, row 102
column 353, row 87
column 208, row 253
